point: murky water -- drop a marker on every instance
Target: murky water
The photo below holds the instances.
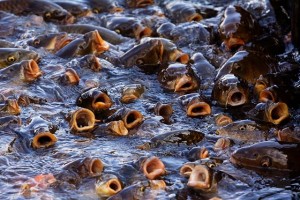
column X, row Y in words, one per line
column 18, row 163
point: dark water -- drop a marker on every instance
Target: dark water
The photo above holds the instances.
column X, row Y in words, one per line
column 16, row 167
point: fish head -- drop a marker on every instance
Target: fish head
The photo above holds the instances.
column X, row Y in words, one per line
column 93, row 44
column 239, row 127
column 52, row 41
column 30, row 70
column 108, row 185
column 263, row 155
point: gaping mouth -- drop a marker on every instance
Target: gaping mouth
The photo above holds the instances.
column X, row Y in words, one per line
column 61, row 41
column 222, row 120
column 132, row 119
column 153, row 168
column 195, row 17
column 109, row 188
column 31, row 71
column 72, row 77
column 98, row 44
column 143, row 3
column 186, row 169
column 95, row 166
column 185, row 84
column 164, row 110
column 236, row 97
column 43, row 140
column 118, row 128
column 82, row 120
column 200, row 178
column 277, row 112
column 181, row 57
column 266, row 95
column 198, row 109
column 101, row 102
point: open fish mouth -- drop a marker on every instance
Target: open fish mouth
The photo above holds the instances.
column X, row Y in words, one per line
column 108, row 188
column 266, row 95
column 99, row 44
column 198, row 109
column 185, row 84
column 31, row 71
column 118, row 128
column 71, row 76
column 236, row 97
column 95, row 166
column 153, row 168
column 101, row 102
column 142, row 31
column 277, row 112
column 82, row 120
column 143, row 3
column 200, row 178
column 234, row 42
column 132, row 119
column 43, row 140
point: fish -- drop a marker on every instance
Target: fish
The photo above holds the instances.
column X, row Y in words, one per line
column 289, row 134
column 152, row 167
column 91, row 62
column 230, row 91
column 127, row 26
column 50, row 11
column 179, row 78
column 101, row 6
column 140, row 190
column 116, row 128
column 269, row 94
column 8, row 121
column 222, row 119
column 89, row 43
column 25, row 100
column 51, row 42
column 139, row 3
column 43, row 133
column 245, row 131
column 131, row 93
column 248, row 66
column 26, row 71
column 204, row 70
column 108, row 185
column 107, row 35
column 196, row 105
column 9, row 107
column 268, row 155
column 197, row 153
column 187, row 137
column 75, row 8
column 9, row 56
column 131, row 118
column 271, row 112
column 181, row 11
column 238, row 27
column 94, row 99
column 163, row 109
column 81, row 120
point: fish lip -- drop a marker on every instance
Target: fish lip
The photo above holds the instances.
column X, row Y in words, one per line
column 95, row 166
column 233, row 42
column 240, row 97
column 132, row 119
column 100, row 44
column 205, row 109
column 186, row 169
column 194, row 178
column 182, row 81
column 153, row 168
column 13, row 107
column 31, row 71
column 84, row 114
column 273, row 115
column 144, row 3
column 181, row 57
column 101, row 102
column 72, row 76
column 104, row 189
column 222, row 120
column 61, row 41
column 142, row 31
column 50, row 140
column 265, row 95
column 194, row 17
column 116, row 9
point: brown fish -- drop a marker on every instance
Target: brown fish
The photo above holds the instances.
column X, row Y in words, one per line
column 130, row 117
column 108, row 185
column 196, row 105
column 82, row 120
column 132, row 92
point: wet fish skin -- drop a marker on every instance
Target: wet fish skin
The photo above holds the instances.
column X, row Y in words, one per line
column 180, row 11
column 268, row 155
column 244, row 130
column 9, row 56
column 75, row 8
column 89, row 43
column 248, row 66
column 237, row 27
column 179, row 77
column 127, row 26
column 48, row 10
column 230, row 91
column 51, row 42
column 100, row 6
column 108, row 35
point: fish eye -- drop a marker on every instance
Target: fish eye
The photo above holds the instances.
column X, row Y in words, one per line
column 139, row 61
column 36, row 42
column 243, row 127
column 142, row 189
column 211, row 165
column 11, row 59
column 48, row 15
column 266, row 161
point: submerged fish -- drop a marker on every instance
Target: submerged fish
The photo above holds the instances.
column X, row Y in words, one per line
column 9, row 56
column 244, row 130
column 269, row 155
column 49, row 11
